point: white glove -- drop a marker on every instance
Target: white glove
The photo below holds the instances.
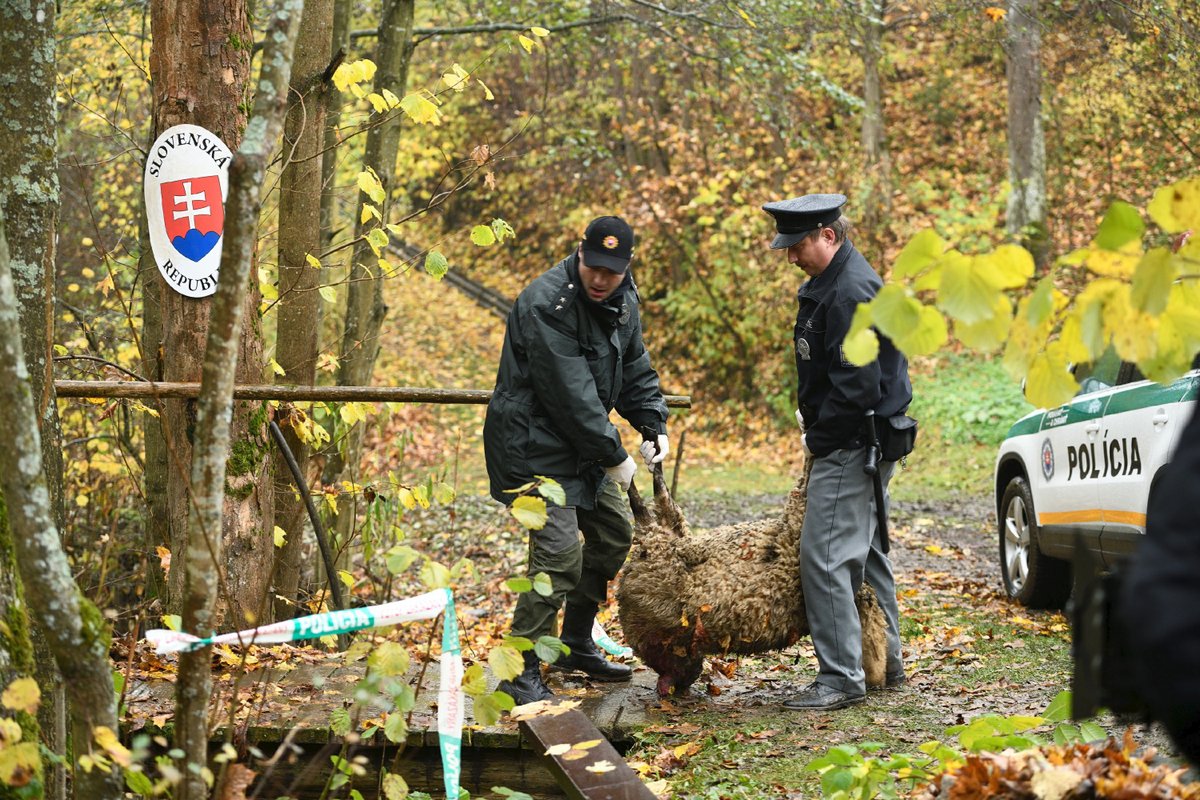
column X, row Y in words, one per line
column 804, row 444
column 622, row 473
column 800, row 421
column 654, row 452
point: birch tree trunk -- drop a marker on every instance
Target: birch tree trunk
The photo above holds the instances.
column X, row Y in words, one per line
column 200, row 63
column 29, row 200
column 73, row 627
column 299, row 304
column 365, row 309
column 1026, row 140
column 215, row 405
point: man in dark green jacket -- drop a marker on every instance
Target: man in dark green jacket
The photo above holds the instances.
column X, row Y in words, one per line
column 572, row 352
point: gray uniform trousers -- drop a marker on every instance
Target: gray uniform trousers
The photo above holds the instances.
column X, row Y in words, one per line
column 579, row 574
column 838, row 548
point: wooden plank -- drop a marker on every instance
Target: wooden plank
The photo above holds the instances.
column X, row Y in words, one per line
column 272, row 391
column 571, row 773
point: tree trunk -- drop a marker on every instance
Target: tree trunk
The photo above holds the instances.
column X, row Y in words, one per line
column 16, row 648
column 200, row 62
column 29, row 200
column 73, row 627
column 299, row 304
column 1026, row 140
column 340, row 43
column 365, row 309
column 214, row 415
column 877, row 165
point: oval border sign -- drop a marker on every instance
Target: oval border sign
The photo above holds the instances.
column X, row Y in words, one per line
column 186, row 182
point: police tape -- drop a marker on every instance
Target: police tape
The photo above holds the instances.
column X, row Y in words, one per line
column 332, row 623
column 607, row 643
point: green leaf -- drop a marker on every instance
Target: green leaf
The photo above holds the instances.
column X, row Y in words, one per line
column 405, row 698
column 395, row 728
column 922, row 251
column 894, row 312
column 1121, row 224
column 1152, row 281
column 861, row 345
column 377, row 238
column 1059, row 709
column 518, row 643
column 474, row 682
column 549, row 648
column 139, row 783
column 328, row 293
column 519, row 584
column 339, row 721
column 400, row 558
column 443, row 493
column 394, row 787
column 483, row 236
column 487, row 708
column 436, row 264
column 389, row 658
column 530, row 512
column 506, row 662
column 542, row 584
column 1041, row 303
column 1091, row 732
column 502, row 230
column 172, row 621
column 551, row 490
column 966, row 292
column 434, row 575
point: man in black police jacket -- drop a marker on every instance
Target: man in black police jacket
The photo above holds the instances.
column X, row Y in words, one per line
column 840, row 545
column 1159, row 601
column 573, row 352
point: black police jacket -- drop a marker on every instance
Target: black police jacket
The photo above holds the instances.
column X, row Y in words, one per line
column 834, row 395
column 567, row 362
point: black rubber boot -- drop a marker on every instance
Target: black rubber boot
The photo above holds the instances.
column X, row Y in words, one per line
column 584, row 657
column 528, row 687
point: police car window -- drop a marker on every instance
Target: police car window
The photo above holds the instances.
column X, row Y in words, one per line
column 1100, row 374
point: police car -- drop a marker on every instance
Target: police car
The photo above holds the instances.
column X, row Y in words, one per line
column 1084, row 471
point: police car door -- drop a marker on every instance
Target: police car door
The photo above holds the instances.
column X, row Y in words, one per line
column 1067, row 498
column 1141, row 426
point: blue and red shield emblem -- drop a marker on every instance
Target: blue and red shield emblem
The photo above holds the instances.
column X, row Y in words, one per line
column 193, row 214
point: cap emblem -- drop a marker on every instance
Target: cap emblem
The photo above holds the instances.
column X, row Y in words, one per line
column 610, row 242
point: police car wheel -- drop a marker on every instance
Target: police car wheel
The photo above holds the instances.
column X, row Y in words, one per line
column 1030, row 577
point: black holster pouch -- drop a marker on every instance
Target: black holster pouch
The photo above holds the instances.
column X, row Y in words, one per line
column 897, row 436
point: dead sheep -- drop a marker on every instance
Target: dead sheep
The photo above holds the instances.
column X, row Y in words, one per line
column 733, row 589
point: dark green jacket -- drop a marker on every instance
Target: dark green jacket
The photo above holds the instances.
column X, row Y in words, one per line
column 568, row 361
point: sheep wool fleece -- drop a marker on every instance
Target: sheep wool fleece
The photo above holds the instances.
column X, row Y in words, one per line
column 839, row 548
column 579, row 574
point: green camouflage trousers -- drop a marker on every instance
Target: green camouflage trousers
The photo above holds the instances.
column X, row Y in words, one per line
column 578, row 572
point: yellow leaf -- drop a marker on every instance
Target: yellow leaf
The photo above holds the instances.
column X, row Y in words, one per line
column 390, row 97
column 526, row 43
column 1008, row 266
column 368, row 211
column 421, row 109
column 370, row 185
column 487, row 93
column 276, row 368
column 966, row 292
column 377, row 239
column 530, row 512
column 557, row 749
column 280, row 536
column 346, row 578
column 601, row 767
column 928, row 336
column 377, row 102
column 483, row 236
column 328, row 293
column 934, row 549
column 1119, row 263
column 506, row 662
column 861, row 345
column 921, row 252
column 108, row 741
column 1152, row 281
column 989, row 334
column 1176, row 207
column 23, row 694
column 456, row 78
column 1048, row 383
column 537, row 31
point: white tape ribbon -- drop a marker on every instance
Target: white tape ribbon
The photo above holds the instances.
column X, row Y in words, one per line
column 332, row 623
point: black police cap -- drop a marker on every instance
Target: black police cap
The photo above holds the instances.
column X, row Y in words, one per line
column 800, row 216
column 608, row 243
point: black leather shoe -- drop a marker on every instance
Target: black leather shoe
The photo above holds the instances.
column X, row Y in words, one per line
column 895, row 680
column 528, row 687
column 819, row 697
column 585, row 658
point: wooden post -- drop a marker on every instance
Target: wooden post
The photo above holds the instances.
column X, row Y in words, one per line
column 571, row 773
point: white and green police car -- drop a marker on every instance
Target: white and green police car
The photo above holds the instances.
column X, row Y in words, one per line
column 1084, row 471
